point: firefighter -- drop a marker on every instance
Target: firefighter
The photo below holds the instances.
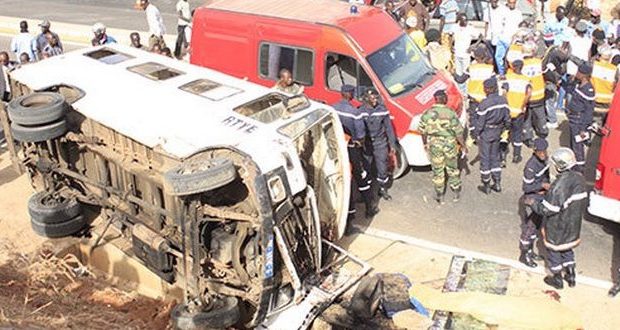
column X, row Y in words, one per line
column 518, row 91
column 562, row 210
column 535, row 185
column 604, row 78
column 477, row 72
column 492, row 118
column 536, row 118
column 580, row 111
column 382, row 138
column 355, row 129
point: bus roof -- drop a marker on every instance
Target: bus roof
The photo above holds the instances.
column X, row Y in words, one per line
column 371, row 27
column 156, row 100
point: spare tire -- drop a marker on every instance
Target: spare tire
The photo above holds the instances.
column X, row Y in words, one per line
column 37, row 109
column 196, row 177
column 60, row 229
column 44, row 208
column 38, row 133
column 224, row 314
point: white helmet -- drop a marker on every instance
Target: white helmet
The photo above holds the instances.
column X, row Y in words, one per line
column 98, row 28
column 563, row 159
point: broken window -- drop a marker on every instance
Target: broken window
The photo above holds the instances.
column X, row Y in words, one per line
column 108, row 56
column 210, row 89
column 155, row 71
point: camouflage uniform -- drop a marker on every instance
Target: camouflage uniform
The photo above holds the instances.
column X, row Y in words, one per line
column 441, row 126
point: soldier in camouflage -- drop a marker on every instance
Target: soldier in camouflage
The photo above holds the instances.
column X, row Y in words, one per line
column 442, row 134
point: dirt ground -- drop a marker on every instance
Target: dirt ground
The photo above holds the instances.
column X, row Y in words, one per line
column 41, row 291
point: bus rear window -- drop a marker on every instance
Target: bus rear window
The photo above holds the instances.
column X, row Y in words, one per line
column 210, row 89
column 155, row 71
column 108, row 56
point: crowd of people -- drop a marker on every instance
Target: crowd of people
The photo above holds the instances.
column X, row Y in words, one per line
column 515, row 76
column 27, row 48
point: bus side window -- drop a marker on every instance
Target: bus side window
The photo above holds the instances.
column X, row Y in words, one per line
column 344, row 70
column 273, row 58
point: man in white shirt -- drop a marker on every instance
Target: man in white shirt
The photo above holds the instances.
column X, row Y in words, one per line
column 463, row 36
column 155, row 22
column 494, row 18
column 5, row 67
column 510, row 25
column 185, row 19
column 24, row 42
column 580, row 46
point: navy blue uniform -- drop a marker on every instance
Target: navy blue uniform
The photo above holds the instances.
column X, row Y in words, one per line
column 535, row 174
column 381, row 134
column 492, row 117
column 580, row 111
column 354, row 126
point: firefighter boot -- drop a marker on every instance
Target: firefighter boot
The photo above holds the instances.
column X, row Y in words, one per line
column 614, row 290
column 569, row 277
column 383, row 193
column 485, row 188
column 516, row 155
column 526, row 258
column 535, row 256
column 497, row 186
column 555, row 281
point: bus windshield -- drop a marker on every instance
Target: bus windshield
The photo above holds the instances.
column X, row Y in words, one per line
column 401, row 66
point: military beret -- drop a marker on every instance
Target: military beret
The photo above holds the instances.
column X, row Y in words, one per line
column 585, row 68
column 347, row 89
column 490, row 83
column 540, row 144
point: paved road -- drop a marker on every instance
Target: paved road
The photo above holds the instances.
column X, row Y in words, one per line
column 487, row 224
column 114, row 13
column 490, row 224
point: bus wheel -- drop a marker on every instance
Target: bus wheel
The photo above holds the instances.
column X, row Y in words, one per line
column 401, row 164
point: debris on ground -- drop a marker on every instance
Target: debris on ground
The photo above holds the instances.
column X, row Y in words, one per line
column 44, row 291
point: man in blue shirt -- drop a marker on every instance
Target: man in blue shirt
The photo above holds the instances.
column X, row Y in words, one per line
column 448, row 11
column 555, row 26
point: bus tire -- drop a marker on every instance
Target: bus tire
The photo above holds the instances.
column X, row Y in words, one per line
column 37, row 109
column 46, row 209
column 193, row 177
column 38, row 133
column 224, row 314
column 60, row 229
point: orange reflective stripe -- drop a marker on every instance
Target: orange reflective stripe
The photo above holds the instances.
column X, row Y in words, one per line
column 603, row 80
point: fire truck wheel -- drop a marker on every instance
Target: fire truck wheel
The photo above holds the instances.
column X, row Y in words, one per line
column 37, row 109
column 38, row 133
column 401, row 165
column 60, row 229
column 196, row 177
column 47, row 209
column 224, row 314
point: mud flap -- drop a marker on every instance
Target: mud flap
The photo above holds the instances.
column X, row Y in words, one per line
column 333, row 280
